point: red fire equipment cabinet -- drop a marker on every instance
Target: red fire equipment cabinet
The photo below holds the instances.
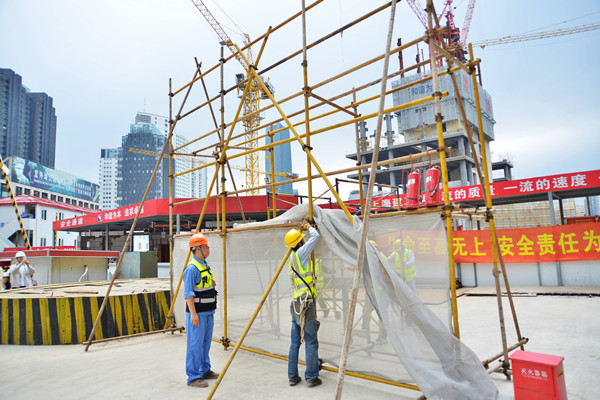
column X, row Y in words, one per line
column 538, row 376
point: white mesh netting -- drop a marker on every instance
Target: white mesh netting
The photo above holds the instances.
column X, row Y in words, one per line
column 413, row 343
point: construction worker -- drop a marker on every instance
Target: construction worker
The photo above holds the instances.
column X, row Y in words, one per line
column 201, row 302
column 5, row 280
column 404, row 261
column 303, row 307
column 21, row 274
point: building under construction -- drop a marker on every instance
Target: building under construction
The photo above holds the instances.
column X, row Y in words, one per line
column 416, row 131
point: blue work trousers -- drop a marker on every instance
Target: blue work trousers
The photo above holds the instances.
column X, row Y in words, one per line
column 197, row 362
column 311, row 343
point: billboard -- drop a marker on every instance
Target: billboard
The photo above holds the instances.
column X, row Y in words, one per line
column 29, row 173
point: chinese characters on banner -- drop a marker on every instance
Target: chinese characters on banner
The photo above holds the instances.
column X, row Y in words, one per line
column 550, row 243
column 104, row 216
column 425, row 244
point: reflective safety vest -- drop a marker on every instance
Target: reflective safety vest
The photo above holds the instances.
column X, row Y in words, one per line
column 306, row 274
column 205, row 294
column 401, row 261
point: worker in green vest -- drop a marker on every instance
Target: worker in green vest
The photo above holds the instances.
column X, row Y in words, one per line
column 303, row 307
column 200, row 304
column 404, row 261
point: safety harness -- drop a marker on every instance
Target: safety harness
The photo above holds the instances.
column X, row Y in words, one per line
column 305, row 297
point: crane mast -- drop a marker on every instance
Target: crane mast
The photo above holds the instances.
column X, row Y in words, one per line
column 251, row 119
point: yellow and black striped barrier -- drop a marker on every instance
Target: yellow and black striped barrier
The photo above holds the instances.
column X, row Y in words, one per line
column 69, row 320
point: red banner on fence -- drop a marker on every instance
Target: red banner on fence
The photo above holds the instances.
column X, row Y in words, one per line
column 551, row 243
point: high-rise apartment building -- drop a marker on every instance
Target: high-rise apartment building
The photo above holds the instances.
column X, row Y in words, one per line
column 199, row 184
column 282, row 160
column 124, row 174
column 161, row 122
column 27, row 121
column 192, row 184
column 108, row 178
column 135, row 170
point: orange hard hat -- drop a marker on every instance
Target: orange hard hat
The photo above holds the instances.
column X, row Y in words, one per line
column 197, row 240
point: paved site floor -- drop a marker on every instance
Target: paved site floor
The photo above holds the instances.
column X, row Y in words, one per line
column 152, row 367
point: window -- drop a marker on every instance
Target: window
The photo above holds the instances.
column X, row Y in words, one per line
column 36, row 193
column 59, row 198
column 42, row 240
column 44, row 195
column 52, row 197
column 27, row 192
column 19, row 190
column 44, row 212
column 60, row 242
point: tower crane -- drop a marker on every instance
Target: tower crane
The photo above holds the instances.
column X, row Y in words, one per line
column 252, row 100
column 457, row 38
column 537, row 35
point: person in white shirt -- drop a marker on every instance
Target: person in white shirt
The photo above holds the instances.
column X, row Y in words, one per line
column 21, row 273
column 5, row 280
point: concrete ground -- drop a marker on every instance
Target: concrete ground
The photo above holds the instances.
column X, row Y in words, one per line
column 152, row 367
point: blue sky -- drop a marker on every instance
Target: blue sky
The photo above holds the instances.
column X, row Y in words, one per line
column 104, row 61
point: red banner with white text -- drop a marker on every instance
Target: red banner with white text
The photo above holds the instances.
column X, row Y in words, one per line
column 551, row 243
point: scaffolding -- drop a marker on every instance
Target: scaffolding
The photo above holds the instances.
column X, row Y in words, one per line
column 338, row 110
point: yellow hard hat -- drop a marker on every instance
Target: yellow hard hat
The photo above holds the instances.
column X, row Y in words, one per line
column 293, row 237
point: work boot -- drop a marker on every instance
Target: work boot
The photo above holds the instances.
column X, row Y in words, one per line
column 315, row 382
column 294, row 381
column 198, row 383
column 210, row 375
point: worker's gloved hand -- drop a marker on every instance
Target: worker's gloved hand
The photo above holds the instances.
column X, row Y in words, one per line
column 304, row 226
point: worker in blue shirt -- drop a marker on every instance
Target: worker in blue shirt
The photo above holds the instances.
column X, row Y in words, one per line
column 200, row 305
column 303, row 307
